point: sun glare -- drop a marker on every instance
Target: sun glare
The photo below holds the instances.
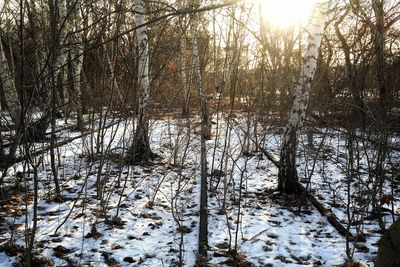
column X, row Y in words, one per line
column 285, row 13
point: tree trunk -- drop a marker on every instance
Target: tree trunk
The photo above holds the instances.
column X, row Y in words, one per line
column 205, row 114
column 187, row 74
column 205, row 134
column 287, row 171
column 10, row 91
column 53, row 98
column 379, row 45
column 384, row 99
column 36, row 130
column 77, row 56
column 61, row 59
column 140, row 150
column 389, row 247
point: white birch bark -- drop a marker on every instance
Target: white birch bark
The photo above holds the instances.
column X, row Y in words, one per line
column 140, row 150
column 303, row 87
column 9, row 89
column 143, row 65
column 287, row 171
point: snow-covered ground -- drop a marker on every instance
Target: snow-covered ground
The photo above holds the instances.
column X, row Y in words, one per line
column 146, row 214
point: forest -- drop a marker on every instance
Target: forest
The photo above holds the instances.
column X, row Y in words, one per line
column 199, row 133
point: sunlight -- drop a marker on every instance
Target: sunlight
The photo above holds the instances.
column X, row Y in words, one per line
column 285, row 13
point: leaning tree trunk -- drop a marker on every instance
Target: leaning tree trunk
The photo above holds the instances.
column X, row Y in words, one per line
column 140, row 150
column 287, row 175
column 10, row 91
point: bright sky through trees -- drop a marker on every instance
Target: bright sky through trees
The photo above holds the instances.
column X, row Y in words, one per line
column 285, row 13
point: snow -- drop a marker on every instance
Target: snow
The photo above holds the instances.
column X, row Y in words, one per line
column 272, row 230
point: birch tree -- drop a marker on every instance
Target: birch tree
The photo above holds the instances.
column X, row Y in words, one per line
column 287, row 176
column 140, row 149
